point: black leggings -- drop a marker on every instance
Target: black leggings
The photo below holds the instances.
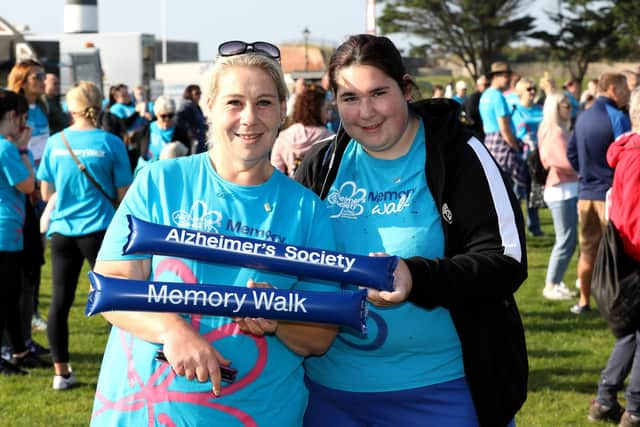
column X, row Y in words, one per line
column 67, row 256
column 10, row 291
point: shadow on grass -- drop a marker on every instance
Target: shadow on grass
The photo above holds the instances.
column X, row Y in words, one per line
column 550, row 321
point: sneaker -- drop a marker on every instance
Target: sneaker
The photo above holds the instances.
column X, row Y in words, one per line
column 580, row 309
column 62, row 383
column 600, row 412
column 38, row 349
column 38, row 323
column 565, row 290
column 554, row 293
column 29, row 360
column 5, row 352
column 7, row 368
column 629, row 420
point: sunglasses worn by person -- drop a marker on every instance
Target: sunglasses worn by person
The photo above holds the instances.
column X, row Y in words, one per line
column 237, row 47
column 39, row 76
column 167, row 116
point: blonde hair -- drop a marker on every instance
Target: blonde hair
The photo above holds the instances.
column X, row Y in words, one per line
column 257, row 60
column 173, row 150
column 550, row 115
column 523, row 85
column 85, row 99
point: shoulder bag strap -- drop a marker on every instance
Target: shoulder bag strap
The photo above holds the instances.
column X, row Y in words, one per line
column 84, row 170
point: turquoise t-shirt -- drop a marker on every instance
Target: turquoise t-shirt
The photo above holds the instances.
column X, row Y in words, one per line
column 526, row 121
column 158, row 138
column 81, row 208
column 12, row 201
column 385, row 206
column 133, row 388
column 39, row 124
column 492, row 105
column 122, row 110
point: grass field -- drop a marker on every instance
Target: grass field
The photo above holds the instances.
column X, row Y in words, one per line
column 566, row 354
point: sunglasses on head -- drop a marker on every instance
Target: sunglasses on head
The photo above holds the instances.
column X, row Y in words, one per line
column 237, row 47
column 167, row 116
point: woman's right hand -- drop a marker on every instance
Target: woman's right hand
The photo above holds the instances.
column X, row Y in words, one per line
column 191, row 356
column 24, row 136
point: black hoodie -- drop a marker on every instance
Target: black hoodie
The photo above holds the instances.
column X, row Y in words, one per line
column 485, row 257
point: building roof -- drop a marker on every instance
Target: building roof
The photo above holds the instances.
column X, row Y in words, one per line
column 293, row 59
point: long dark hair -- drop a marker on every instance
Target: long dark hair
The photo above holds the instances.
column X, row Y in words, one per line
column 11, row 101
column 375, row 51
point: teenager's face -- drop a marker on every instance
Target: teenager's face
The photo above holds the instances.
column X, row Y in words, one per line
column 372, row 106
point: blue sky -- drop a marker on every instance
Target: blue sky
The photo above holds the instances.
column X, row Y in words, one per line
column 211, row 22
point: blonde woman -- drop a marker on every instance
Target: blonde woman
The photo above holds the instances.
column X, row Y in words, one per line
column 82, row 212
column 560, row 192
column 231, row 188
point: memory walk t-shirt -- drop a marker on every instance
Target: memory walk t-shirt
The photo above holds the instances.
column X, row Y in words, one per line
column 385, row 206
column 39, row 124
column 81, row 208
column 12, row 201
column 134, row 388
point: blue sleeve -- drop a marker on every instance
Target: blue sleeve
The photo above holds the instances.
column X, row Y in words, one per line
column 501, row 107
column 572, row 152
column 122, row 167
column 118, row 111
column 44, row 172
column 12, row 166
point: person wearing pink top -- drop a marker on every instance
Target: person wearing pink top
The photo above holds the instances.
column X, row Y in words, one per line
column 310, row 116
column 560, row 192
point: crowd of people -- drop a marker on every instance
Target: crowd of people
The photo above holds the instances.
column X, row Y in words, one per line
column 393, row 174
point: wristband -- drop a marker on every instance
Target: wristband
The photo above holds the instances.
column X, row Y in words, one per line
column 361, row 270
column 348, row 308
column 23, row 151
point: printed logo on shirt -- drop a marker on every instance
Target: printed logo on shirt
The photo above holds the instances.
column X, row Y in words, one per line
column 349, row 199
column 85, row 152
column 199, row 217
column 446, row 214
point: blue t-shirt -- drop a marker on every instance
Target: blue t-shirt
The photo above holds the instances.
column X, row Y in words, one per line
column 122, row 110
column 158, row 138
column 492, row 105
column 81, row 208
column 38, row 122
column 269, row 390
column 459, row 99
column 526, row 121
column 385, row 206
column 12, row 201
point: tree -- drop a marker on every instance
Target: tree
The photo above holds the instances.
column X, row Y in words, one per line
column 590, row 31
column 473, row 31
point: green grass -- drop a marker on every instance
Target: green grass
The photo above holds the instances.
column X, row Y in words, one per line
column 566, row 355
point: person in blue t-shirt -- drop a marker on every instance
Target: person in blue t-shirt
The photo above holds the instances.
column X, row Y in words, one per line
column 500, row 137
column 231, row 189
column 405, row 178
column 83, row 209
column 16, row 180
column 526, row 117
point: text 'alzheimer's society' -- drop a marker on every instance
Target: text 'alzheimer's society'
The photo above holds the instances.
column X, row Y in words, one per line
column 227, row 243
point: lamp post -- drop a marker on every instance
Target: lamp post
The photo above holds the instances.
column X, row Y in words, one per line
column 305, row 34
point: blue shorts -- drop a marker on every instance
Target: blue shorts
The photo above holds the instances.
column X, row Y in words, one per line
column 447, row 404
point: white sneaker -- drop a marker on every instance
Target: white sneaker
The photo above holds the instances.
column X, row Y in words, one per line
column 564, row 289
column 62, row 383
column 554, row 293
column 38, row 324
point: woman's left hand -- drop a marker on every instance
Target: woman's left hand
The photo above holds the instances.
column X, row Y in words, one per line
column 402, row 284
column 257, row 325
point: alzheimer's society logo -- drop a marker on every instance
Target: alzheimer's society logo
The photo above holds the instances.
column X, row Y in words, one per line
column 199, row 217
column 349, row 199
